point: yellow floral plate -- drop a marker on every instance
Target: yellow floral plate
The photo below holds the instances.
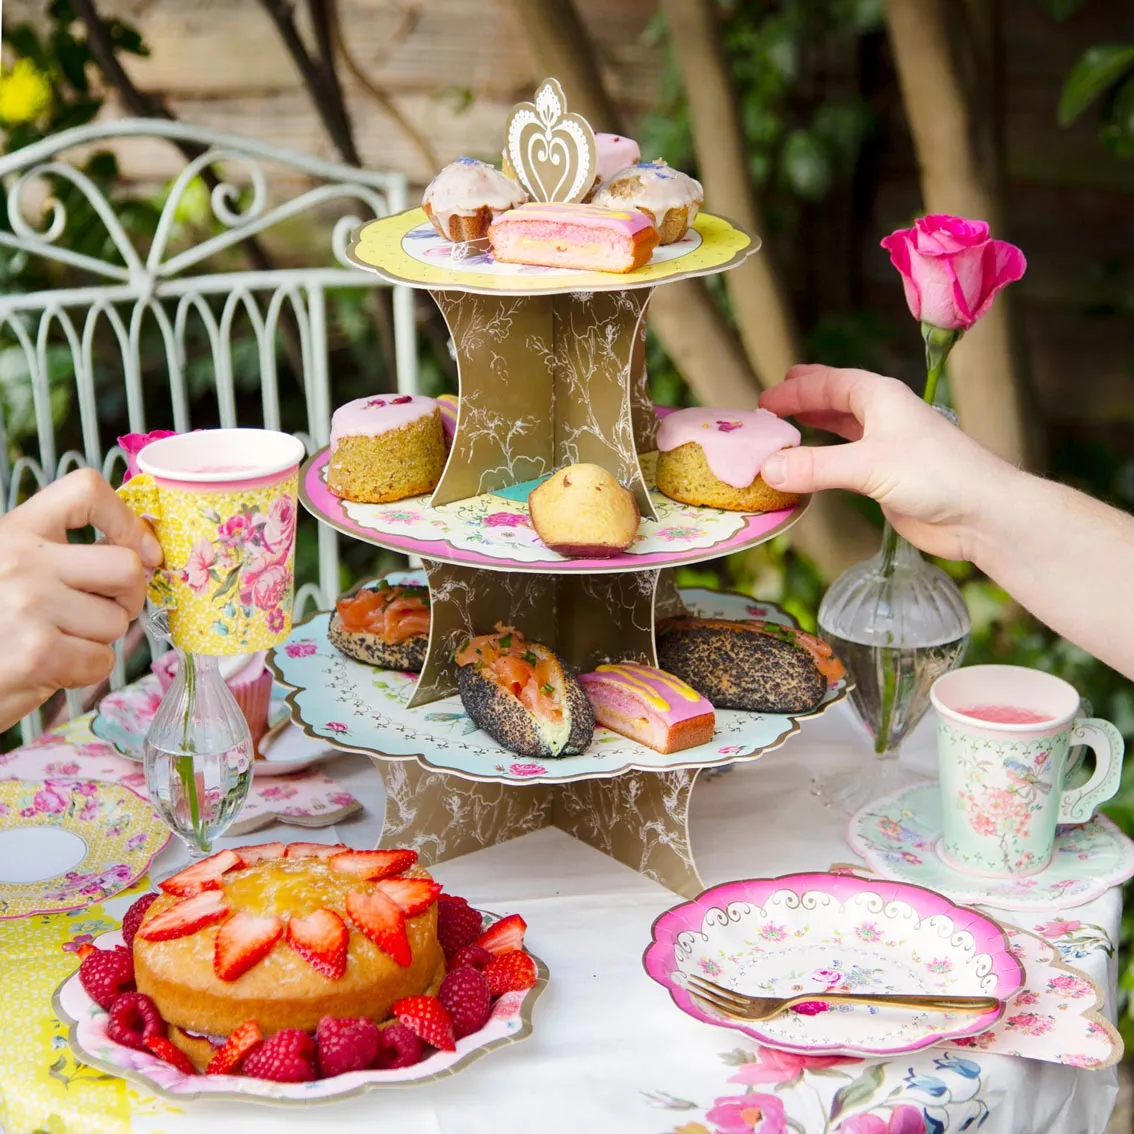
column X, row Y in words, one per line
column 68, row 843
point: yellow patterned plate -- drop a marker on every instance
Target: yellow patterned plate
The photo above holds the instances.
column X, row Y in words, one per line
column 68, row 843
column 406, row 249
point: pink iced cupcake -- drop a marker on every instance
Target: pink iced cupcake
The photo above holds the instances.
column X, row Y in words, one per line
column 248, row 679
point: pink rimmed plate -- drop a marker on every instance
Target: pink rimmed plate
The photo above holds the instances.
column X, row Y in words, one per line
column 511, row 1021
column 816, row 933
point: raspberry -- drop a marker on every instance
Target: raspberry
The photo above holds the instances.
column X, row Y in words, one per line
column 457, row 924
column 398, row 1047
column 286, row 1057
column 464, row 995
column 345, row 1045
column 134, row 917
column 470, row 957
column 106, row 973
column 133, row 1019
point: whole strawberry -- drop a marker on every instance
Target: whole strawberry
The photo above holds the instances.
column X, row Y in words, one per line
column 134, row 1018
column 286, row 1057
column 457, row 924
column 398, row 1047
column 106, row 974
column 134, row 917
column 464, row 995
column 345, row 1045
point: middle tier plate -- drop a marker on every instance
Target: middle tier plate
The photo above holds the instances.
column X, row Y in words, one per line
column 363, row 709
column 493, row 530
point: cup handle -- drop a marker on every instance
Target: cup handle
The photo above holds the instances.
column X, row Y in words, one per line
column 141, row 495
column 1077, row 805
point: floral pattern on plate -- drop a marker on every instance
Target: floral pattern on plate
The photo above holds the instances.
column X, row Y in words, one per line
column 119, row 830
column 494, row 530
column 123, row 718
column 511, row 1021
column 897, row 835
column 816, row 933
column 363, row 709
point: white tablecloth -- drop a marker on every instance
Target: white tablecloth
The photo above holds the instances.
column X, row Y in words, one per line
column 609, row 1052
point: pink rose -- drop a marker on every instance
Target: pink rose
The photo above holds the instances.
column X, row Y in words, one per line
column 526, row 769
column 279, row 529
column 235, row 528
column 133, row 443
column 276, row 620
column 336, row 726
column 1058, row 928
column 773, row 1066
column 300, row 649
column 196, row 572
column 748, row 1114
column 950, row 269
column 903, row 1119
column 270, row 587
column 504, row 520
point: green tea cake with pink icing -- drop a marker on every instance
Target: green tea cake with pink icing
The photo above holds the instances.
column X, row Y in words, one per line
column 650, row 706
column 713, row 458
column 386, row 448
column 584, row 237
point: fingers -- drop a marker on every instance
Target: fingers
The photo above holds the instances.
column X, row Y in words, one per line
column 811, row 469
column 82, row 663
column 843, row 425
column 96, row 619
column 101, row 569
column 81, row 498
column 822, row 389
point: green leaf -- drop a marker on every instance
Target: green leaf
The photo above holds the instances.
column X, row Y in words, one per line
column 72, row 58
column 806, row 166
column 229, row 584
column 25, row 43
column 1098, row 69
column 126, row 38
column 862, row 1089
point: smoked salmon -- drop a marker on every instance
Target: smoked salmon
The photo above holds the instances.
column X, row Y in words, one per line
column 383, row 625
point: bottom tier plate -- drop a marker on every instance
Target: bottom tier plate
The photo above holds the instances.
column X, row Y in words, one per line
column 362, row 709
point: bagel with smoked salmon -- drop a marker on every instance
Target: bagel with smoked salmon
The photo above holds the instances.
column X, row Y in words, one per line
column 756, row 666
column 521, row 695
column 385, row 626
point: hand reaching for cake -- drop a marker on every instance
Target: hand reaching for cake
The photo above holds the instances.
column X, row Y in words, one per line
column 63, row 604
column 1057, row 552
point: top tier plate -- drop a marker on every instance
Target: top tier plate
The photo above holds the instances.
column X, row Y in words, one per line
column 406, row 249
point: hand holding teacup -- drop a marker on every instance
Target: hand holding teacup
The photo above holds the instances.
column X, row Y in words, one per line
column 1004, row 736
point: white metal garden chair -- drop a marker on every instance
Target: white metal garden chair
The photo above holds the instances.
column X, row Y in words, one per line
column 130, row 286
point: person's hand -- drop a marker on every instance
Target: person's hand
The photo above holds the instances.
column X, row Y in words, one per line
column 932, row 480
column 63, row 604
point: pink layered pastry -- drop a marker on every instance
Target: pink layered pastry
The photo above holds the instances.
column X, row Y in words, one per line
column 447, row 404
column 248, row 679
column 583, row 237
column 649, row 705
column 713, row 458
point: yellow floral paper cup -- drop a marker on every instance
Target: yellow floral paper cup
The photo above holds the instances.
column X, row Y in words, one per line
column 222, row 503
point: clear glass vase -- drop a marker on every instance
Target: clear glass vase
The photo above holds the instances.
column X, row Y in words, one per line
column 198, row 753
column 897, row 623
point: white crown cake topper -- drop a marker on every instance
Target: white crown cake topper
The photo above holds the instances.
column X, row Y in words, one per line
column 552, row 152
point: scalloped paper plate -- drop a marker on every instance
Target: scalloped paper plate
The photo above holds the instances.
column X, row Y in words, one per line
column 67, row 843
column 804, row 933
column 510, row 1022
column 362, row 709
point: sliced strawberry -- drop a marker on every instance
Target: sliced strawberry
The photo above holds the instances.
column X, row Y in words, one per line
column 510, row 972
column 426, row 1017
column 382, row 921
column 373, row 864
column 314, row 850
column 163, row 1049
column 321, row 939
column 414, row 895
column 243, row 941
column 261, row 852
column 203, row 875
column 185, row 917
column 504, row 935
column 229, row 1057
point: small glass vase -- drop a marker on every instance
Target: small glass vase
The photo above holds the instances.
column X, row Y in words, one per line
column 198, row 753
column 897, row 623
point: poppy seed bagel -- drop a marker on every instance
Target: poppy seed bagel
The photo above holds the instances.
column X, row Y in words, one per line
column 512, row 725
column 735, row 666
column 408, row 656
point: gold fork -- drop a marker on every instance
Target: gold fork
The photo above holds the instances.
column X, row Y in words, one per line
column 743, row 1007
